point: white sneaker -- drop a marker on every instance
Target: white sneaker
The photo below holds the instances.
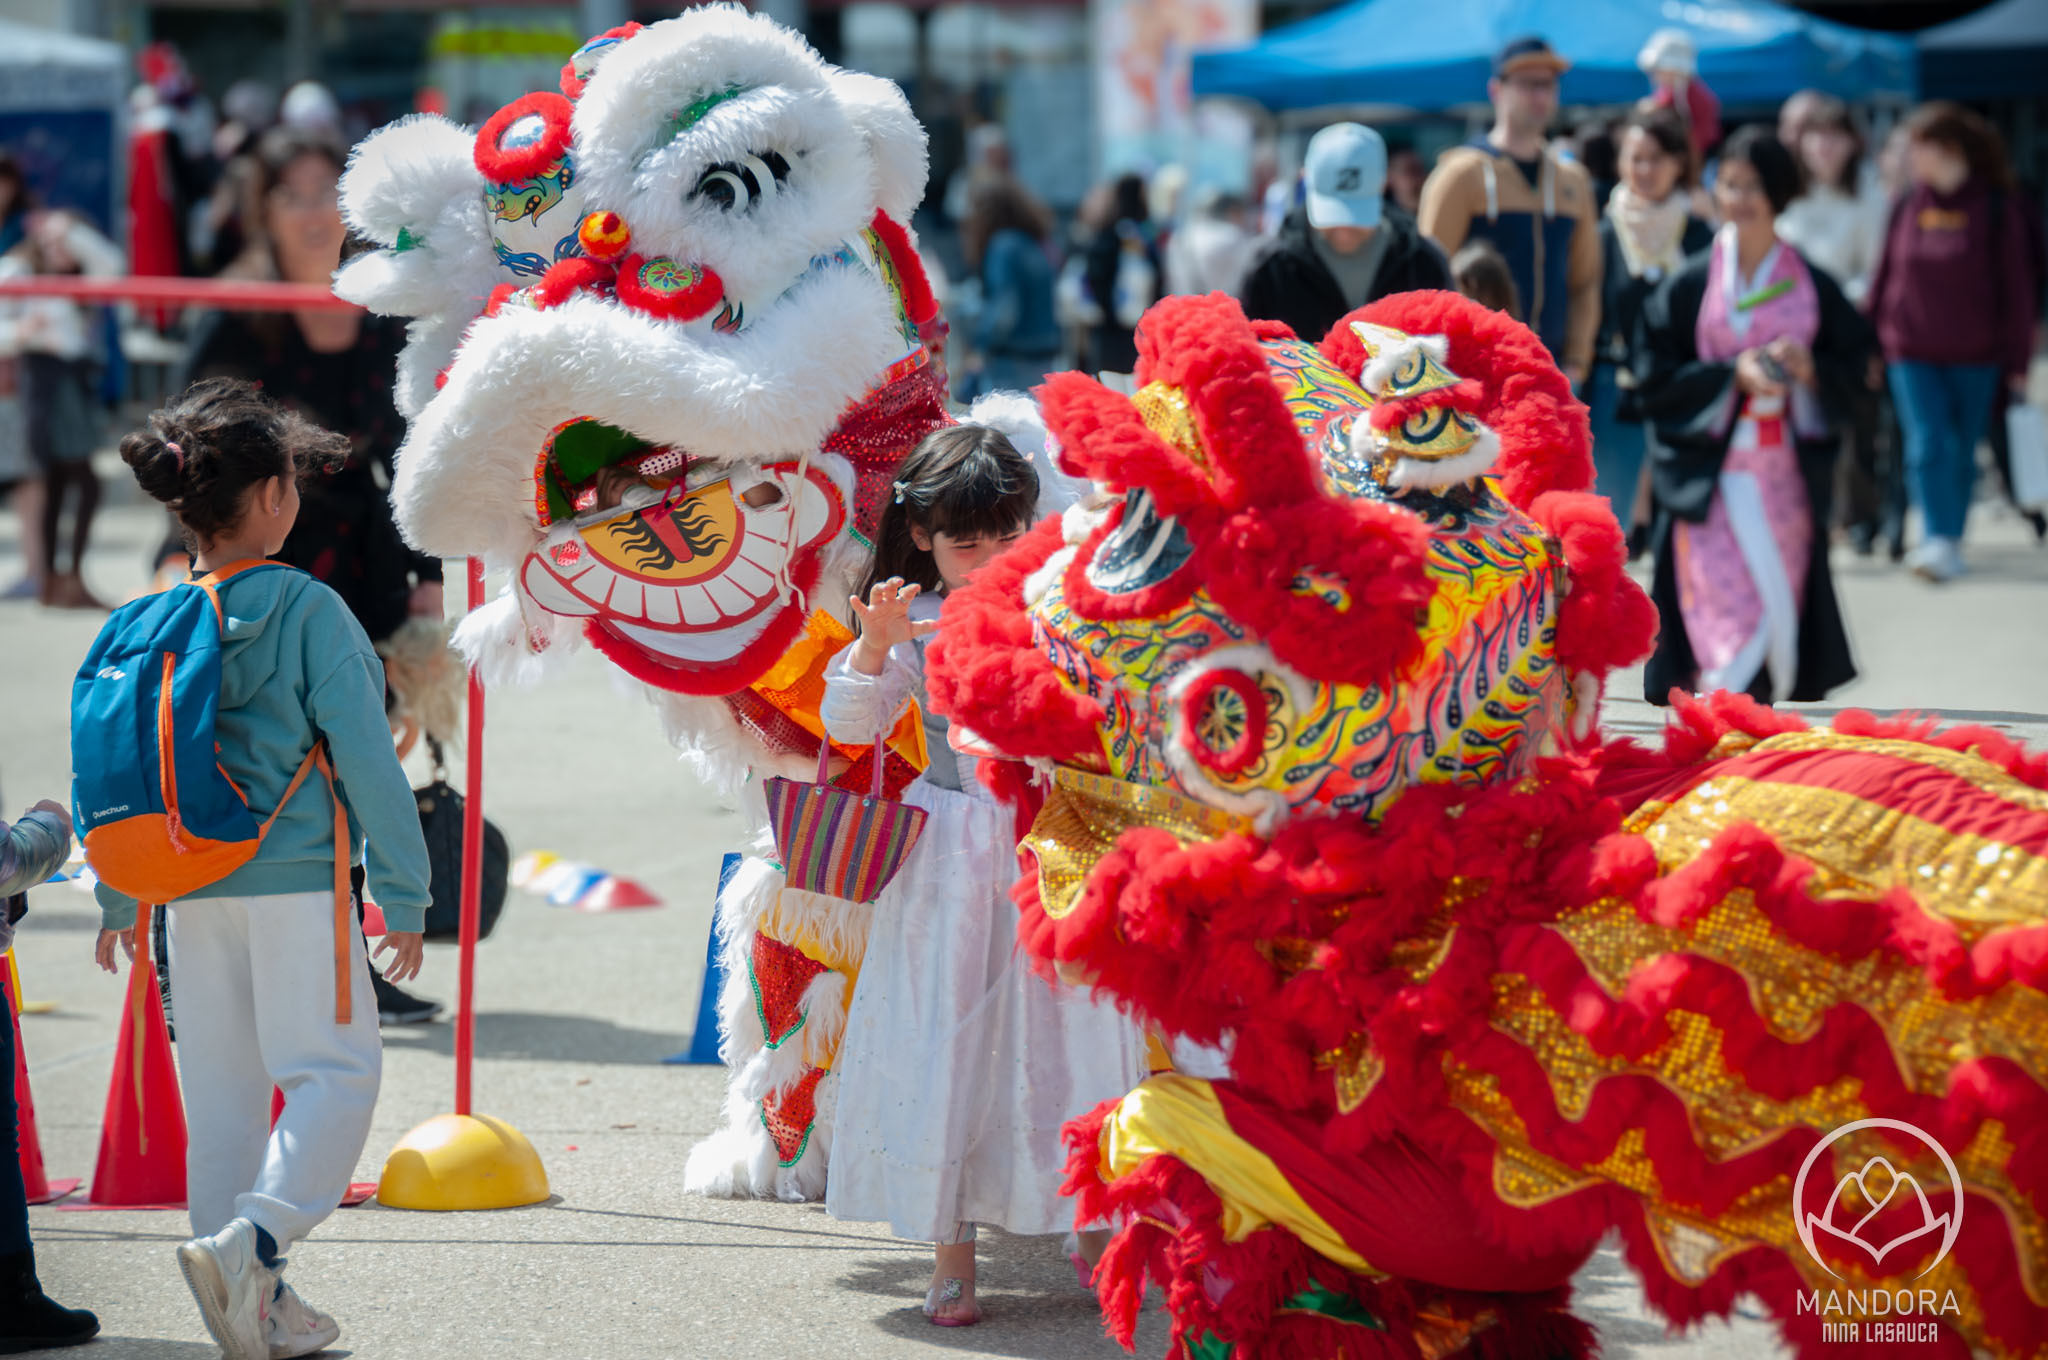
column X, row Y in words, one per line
column 296, row 1327
column 1937, row 560
column 232, row 1288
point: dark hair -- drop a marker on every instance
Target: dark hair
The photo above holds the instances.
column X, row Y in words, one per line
column 1481, row 273
column 261, row 171
column 24, row 197
column 1001, row 203
column 228, row 438
column 1759, row 148
column 1598, row 143
column 1129, row 196
column 1967, row 133
column 1828, row 113
column 964, row 479
column 1664, row 127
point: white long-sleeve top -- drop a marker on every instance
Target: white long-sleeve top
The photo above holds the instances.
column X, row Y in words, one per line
column 1840, row 232
column 858, row 708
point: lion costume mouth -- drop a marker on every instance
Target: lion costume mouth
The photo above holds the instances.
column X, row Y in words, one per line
column 689, row 571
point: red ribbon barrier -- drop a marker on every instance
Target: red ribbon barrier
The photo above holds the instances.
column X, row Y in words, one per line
column 231, row 295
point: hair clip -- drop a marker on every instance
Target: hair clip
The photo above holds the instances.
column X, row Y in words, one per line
column 177, row 451
column 899, row 488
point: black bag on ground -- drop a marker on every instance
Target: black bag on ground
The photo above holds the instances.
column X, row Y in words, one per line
column 441, row 809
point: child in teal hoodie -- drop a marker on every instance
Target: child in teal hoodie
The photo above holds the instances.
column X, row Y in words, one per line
column 252, row 956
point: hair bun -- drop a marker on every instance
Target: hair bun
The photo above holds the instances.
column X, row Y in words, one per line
column 159, row 462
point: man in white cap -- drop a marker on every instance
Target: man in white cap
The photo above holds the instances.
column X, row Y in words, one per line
column 1344, row 245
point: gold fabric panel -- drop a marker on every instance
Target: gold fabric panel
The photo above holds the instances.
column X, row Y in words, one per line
column 1861, row 848
column 1085, row 813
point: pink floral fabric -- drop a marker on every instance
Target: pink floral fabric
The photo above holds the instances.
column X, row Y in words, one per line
column 1721, row 598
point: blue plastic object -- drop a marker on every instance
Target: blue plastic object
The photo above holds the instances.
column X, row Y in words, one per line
column 703, row 1047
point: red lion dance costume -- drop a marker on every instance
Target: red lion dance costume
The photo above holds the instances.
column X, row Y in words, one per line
column 1313, row 774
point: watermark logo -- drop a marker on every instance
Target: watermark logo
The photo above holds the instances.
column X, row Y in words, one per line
column 1911, row 1213
column 1879, row 1187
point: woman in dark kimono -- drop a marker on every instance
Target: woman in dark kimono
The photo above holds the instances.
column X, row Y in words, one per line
column 1746, row 362
column 1646, row 235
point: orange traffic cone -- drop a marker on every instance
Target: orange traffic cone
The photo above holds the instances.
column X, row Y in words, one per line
column 142, row 1136
column 34, row 1177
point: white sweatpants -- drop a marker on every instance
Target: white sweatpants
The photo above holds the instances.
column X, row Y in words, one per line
column 252, row 988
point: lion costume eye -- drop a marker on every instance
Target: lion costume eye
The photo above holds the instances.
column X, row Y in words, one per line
column 735, row 186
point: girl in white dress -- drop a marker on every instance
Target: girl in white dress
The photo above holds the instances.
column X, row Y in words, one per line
column 960, row 1063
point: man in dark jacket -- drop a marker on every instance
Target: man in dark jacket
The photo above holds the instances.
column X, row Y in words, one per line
column 1343, row 247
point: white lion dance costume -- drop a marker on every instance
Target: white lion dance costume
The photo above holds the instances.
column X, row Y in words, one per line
column 667, row 351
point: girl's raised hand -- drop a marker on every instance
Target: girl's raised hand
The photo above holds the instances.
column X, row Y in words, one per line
column 885, row 621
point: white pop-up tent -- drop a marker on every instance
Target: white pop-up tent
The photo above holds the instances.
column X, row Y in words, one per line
column 62, row 99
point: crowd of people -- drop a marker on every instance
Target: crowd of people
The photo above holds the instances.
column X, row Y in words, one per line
column 1926, row 236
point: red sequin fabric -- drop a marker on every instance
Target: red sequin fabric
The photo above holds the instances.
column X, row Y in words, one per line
column 781, row 972
column 882, row 427
column 789, row 1115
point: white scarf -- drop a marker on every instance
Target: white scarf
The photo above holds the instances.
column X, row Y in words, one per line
column 1652, row 235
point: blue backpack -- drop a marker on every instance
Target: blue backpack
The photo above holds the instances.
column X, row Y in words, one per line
column 157, row 815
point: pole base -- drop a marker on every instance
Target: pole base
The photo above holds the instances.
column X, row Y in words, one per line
column 456, row 1161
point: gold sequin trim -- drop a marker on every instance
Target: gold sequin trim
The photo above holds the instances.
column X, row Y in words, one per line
column 1166, row 413
column 1085, row 813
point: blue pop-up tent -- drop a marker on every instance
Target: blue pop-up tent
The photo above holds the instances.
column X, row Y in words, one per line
column 1439, row 54
column 1997, row 53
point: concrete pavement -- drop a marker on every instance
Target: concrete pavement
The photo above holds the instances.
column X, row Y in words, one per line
column 575, row 1012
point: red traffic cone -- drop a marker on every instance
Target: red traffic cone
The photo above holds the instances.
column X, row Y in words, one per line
column 613, row 893
column 34, row 1177
column 276, row 1105
column 142, row 1136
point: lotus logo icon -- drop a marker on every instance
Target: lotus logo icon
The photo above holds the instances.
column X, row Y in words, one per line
column 1880, row 1190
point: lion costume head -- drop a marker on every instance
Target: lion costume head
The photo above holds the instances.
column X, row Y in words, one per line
column 668, row 345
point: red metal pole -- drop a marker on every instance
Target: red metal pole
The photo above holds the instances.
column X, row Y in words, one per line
column 472, row 866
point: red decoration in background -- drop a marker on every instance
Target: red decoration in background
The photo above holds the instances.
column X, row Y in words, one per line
column 153, row 232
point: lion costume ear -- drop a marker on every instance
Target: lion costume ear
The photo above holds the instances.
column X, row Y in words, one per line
column 894, row 138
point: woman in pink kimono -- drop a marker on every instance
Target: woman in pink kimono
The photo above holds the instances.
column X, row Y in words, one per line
column 1746, row 360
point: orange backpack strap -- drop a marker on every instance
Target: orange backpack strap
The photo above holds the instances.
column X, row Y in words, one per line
column 344, row 916
column 213, row 580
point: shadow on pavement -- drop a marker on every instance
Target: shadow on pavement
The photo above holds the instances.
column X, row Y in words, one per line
column 533, row 1037
column 63, row 918
column 1030, row 1303
column 105, row 1347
